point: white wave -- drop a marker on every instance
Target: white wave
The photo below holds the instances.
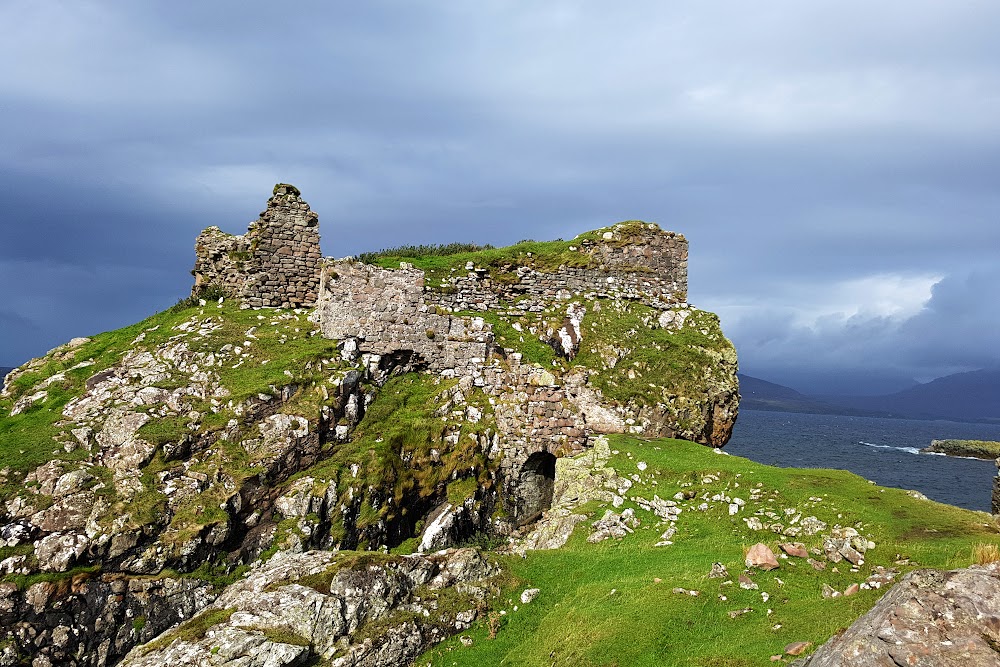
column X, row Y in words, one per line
column 908, row 450
column 917, row 450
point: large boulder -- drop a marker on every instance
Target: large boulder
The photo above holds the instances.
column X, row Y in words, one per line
column 930, row 618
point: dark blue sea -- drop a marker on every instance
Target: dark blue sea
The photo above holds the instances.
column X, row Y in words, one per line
column 885, row 451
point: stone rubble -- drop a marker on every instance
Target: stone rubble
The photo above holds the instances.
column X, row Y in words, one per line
column 613, row 525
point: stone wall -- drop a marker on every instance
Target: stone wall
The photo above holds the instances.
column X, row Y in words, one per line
column 534, row 415
column 393, row 316
column 384, row 312
column 634, row 261
column 276, row 263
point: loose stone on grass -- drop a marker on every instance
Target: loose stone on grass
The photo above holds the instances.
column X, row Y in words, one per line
column 796, row 549
column 761, row 556
column 797, row 648
column 718, row 571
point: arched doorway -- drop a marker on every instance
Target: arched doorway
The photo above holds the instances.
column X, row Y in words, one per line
column 535, row 485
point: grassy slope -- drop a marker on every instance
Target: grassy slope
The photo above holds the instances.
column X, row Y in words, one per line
column 621, row 340
column 282, row 351
column 684, row 361
column 600, row 604
column 400, row 424
column 26, row 439
column 399, row 450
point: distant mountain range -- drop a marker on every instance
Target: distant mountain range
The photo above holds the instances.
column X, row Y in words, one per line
column 757, row 394
column 972, row 396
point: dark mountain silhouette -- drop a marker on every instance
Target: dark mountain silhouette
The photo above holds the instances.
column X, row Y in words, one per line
column 972, row 396
column 758, row 394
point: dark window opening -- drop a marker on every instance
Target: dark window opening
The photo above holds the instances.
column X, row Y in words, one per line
column 536, row 482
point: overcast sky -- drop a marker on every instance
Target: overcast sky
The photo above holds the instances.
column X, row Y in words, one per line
column 834, row 165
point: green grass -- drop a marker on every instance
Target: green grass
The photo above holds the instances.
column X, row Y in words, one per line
column 282, row 349
column 533, row 349
column 281, row 636
column 61, row 579
column 422, row 250
column 191, row 630
column 27, row 440
column 600, row 604
column 645, row 364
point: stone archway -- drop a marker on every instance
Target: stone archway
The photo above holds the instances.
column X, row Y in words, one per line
column 535, row 485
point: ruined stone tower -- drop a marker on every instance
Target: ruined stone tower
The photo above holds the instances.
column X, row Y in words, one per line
column 276, row 263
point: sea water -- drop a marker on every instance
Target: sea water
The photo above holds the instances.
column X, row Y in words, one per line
column 886, row 451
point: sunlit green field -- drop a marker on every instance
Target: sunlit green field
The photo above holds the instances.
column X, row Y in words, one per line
column 613, row 603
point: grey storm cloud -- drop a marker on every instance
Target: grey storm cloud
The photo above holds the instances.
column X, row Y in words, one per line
column 955, row 329
column 832, row 163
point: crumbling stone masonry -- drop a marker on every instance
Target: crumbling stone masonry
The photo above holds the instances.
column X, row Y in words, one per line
column 276, row 263
column 384, row 311
column 634, row 261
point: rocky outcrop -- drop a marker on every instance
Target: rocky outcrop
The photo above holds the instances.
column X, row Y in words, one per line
column 930, row 618
column 995, row 498
column 298, row 608
column 93, row 619
column 91, row 510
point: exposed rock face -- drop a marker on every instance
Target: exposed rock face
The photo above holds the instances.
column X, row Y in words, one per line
column 930, row 618
column 301, row 607
column 995, row 505
column 95, row 620
column 274, row 264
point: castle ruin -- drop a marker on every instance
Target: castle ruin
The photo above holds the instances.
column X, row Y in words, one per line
column 276, row 263
column 394, row 318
